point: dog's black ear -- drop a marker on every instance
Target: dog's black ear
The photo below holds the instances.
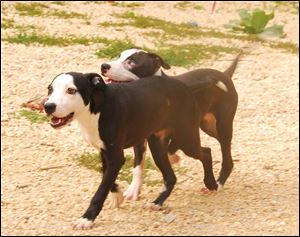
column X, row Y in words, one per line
column 96, row 80
column 159, row 61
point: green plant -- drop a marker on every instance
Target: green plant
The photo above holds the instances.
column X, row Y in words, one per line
column 66, row 15
column 61, row 3
column 33, row 116
column 30, row 9
column 92, row 161
column 255, row 23
column 114, row 48
column 47, row 40
column 7, row 23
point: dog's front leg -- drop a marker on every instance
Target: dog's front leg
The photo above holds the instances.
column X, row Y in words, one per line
column 114, row 159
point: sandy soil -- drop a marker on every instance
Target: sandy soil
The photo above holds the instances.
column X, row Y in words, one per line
column 261, row 197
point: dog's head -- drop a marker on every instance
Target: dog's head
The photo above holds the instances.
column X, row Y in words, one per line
column 133, row 64
column 69, row 94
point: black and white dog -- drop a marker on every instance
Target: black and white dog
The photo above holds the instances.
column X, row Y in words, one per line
column 117, row 116
column 217, row 103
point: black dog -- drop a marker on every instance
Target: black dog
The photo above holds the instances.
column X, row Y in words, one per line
column 217, row 103
column 114, row 117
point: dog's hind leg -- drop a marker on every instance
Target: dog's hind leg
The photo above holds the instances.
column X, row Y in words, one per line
column 224, row 127
column 206, row 159
column 134, row 188
column 160, row 156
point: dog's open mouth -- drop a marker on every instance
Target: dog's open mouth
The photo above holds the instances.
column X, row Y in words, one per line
column 59, row 122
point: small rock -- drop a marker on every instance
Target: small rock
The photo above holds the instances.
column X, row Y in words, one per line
column 169, row 218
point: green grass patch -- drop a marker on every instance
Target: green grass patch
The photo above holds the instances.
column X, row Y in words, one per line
column 286, row 46
column 198, row 7
column 190, row 54
column 183, row 5
column 92, row 161
column 11, row 24
column 114, row 48
column 60, row 3
column 67, row 15
column 47, row 40
column 38, row 9
column 129, row 5
column 33, row 116
column 7, row 23
column 31, row 9
column 173, row 29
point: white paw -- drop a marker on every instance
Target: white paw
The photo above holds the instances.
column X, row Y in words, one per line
column 132, row 192
column 82, row 224
column 116, row 199
column 220, row 187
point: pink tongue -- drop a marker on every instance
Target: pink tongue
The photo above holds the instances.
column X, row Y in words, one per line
column 55, row 120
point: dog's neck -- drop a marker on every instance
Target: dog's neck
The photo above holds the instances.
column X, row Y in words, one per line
column 89, row 127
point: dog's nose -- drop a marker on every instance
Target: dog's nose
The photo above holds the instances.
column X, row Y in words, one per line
column 50, row 108
column 105, row 67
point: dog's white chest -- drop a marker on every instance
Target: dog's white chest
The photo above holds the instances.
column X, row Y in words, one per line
column 90, row 130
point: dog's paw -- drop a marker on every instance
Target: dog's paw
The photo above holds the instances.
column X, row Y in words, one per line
column 153, row 207
column 82, row 224
column 174, row 159
column 132, row 192
column 220, row 187
column 206, row 191
column 116, row 199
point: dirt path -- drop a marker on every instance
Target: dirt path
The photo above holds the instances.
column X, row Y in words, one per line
column 261, row 197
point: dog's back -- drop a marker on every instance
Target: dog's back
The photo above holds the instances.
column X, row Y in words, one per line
column 152, row 104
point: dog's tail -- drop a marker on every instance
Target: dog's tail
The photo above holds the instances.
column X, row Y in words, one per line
column 229, row 71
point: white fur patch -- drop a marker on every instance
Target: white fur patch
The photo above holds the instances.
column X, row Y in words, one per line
column 158, row 73
column 222, row 86
column 132, row 192
column 127, row 53
column 89, row 127
column 82, row 224
column 220, row 187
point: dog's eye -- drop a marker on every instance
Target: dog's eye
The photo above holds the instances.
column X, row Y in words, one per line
column 50, row 89
column 71, row 91
column 131, row 62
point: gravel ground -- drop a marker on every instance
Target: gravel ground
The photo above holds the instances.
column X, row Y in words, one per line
column 261, row 197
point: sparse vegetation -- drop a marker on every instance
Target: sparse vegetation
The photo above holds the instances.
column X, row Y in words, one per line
column 7, row 23
column 286, row 46
column 61, row 3
column 47, row 40
column 92, row 161
column 114, row 48
column 33, row 116
column 66, row 15
column 190, row 54
column 124, row 4
column 43, row 10
column 31, row 9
